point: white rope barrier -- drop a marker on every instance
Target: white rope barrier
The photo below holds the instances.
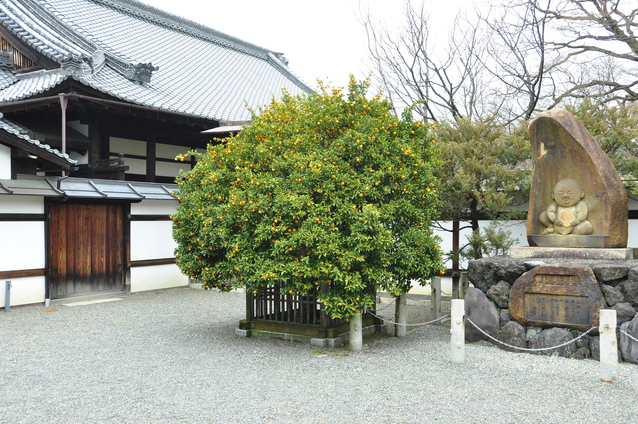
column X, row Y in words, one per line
column 628, row 335
column 408, row 325
column 540, row 349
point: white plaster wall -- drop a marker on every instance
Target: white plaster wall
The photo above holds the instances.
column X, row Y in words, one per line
column 24, row 291
column 168, row 151
column 632, row 239
column 156, row 277
column 5, row 162
column 135, row 166
column 127, row 146
column 21, row 204
column 151, row 240
column 21, row 245
column 154, row 207
column 171, row 169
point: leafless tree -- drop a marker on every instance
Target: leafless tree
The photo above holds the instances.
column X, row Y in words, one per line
column 445, row 83
column 595, row 46
column 510, row 60
column 517, row 58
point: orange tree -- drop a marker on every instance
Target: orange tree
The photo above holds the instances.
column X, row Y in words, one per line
column 324, row 188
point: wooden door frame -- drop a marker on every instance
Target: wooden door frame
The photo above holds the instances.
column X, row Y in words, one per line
column 126, row 236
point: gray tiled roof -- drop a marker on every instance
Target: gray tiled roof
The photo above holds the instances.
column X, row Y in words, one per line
column 202, row 72
column 87, row 188
column 22, row 133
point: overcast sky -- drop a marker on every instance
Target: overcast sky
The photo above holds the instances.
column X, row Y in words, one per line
column 321, row 39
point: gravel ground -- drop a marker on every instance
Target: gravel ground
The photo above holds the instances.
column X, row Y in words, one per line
column 173, row 357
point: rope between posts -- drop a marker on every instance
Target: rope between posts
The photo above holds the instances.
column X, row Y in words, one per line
column 540, row 349
column 385, row 307
column 628, row 335
column 409, row 325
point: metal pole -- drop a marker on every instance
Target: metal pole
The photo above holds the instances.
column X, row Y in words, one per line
column 7, row 296
column 63, row 103
column 436, row 297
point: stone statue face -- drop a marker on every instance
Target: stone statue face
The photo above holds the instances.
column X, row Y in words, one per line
column 567, row 192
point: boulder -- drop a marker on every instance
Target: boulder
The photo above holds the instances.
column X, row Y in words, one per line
column 482, row 313
column 513, row 334
column 594, row 347
column 610, row 272
column 531, row 332
column 486, row 272
column 529, row 265
column 500, row 294
column 503, row 317
column 582, row 341
column 629, row 289
column 554, row 337
column 582, row 353
column 624, row 312
column 627, row 346
column 612, row 294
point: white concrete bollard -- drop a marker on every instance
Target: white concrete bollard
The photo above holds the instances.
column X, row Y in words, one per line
column 356, row 333
column 608, row 346
column 401, row 315
column 457, row 331
column 436, row 298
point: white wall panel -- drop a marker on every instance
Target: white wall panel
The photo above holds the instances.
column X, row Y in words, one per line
column 171, row 169
column 21, row 204
column 127, row 146
column 156, row 277
column 5, row 162
column 24, row 291
column 151, row 240
column 154, row 207
column 21, row 245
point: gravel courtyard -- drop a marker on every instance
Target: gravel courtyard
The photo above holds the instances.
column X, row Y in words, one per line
column 173, row 357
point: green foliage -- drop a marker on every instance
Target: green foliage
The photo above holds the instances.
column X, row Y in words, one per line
column 485, row 169
column 492, row 240
column 324, row 188
column 616, row 129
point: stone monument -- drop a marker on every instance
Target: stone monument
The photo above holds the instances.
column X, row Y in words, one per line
column 577, row 198
column 577, row 232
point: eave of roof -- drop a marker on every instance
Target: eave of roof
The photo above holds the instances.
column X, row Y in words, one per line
column 16, row 135
column 202, row 72
column 85, row 188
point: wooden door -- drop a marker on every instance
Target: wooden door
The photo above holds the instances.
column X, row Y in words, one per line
column 86, row 249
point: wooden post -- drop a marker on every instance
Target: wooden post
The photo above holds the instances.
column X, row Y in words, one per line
column 356, row 333
column 457, row 330
column 401, row 315
column 464, row 284
column 436, row 298
column 608, row 346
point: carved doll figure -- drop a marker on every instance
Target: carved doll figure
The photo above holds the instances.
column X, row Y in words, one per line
column 568, row 213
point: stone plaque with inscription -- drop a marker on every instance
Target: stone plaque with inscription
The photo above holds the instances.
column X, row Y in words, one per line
column 557, row 295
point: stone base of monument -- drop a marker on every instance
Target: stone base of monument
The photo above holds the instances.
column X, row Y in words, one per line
column 543, row 297
column 598, row 254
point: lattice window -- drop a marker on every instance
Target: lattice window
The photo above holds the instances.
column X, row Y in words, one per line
column 18, row 60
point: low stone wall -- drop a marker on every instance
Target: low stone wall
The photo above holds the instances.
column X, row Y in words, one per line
column 487, row 304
